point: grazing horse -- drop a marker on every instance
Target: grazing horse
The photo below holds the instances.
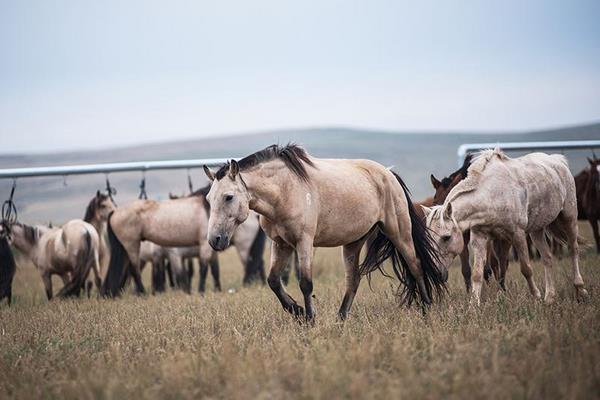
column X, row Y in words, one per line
column 8, row 266
column 71, row 250
column 306, row 202
column 506, row 199
column 588, row 196
column 442, row 188
column 172, row 223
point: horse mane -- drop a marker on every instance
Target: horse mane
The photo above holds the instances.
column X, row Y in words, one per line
column 292, row 155
column 201, row 192
column 90, row 211
column 475, row 172
column 31, row 233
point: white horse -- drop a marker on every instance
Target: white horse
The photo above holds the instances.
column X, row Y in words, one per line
column 506, row 199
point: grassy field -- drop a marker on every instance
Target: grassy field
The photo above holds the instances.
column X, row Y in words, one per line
column 240, row 344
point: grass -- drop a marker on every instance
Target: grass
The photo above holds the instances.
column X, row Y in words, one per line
column 240, row 343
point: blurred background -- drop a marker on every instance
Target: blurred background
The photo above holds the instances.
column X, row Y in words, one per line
column 403, row 83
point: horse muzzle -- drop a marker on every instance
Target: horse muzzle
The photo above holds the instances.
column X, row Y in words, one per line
column 219, row 242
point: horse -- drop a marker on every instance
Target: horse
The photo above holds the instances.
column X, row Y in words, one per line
column 172, row 223
column 70, row 252
column 8, row 266
column 306, row 202
column 442, row 188
column 587, row 183
column 505, row 199
column 96, row 214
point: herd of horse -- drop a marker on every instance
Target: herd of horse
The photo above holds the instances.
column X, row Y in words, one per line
column 491, row 204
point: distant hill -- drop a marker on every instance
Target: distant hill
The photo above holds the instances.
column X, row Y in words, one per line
column 414, row 155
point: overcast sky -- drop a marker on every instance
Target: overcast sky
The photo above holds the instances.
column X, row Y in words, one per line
column 81, row 74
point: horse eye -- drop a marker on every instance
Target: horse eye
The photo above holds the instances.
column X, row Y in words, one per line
column 228, row 197
column 445, row 238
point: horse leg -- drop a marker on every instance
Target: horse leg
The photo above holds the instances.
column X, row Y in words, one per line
column 478, row 246
column 350, row 256
column 491, row 265
column 520, row 244
column 215, row 271
column 539, row 240
column 96, row 270
column 280, row 254
column 571, row 229
column 47, row 279
column 594, row 224
column 305, row 251
column 181, row 276
column 464, row 262
column 203, row 274
column 134, row 269
column 502, row 249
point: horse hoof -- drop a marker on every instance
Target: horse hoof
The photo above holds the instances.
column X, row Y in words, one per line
column 549, row 299
column 582, row 295
column 297, row 310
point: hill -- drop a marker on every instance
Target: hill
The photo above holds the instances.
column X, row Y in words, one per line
column 414, row 155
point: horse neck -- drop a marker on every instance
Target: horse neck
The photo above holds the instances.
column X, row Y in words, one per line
column 267, row 189
column 463, row 210
column 99, row 224
column 24, row 246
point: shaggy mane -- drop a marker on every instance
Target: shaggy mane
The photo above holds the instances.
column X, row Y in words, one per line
column 474, row 173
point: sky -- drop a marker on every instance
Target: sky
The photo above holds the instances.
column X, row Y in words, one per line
column 88, row 74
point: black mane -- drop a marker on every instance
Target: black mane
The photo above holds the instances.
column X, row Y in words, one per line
column 447, row 181
column 292, row 155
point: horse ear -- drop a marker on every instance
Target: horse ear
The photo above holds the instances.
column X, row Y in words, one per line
column 448, row 211
column 426, row 210
column 434, row 182
column 209, row 173
column 234, row 169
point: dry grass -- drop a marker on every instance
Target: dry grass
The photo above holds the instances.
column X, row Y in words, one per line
column 242, row 345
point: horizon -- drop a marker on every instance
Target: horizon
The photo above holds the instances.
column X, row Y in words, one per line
column 315, row 129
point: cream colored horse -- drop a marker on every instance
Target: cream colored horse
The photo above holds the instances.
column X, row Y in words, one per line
column 505, row 199
column 70, row 252
column 178, row 222
column 306, row 202
column 96, row 214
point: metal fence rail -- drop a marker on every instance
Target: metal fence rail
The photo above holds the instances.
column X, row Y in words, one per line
column 109, row 168
column 467, row 148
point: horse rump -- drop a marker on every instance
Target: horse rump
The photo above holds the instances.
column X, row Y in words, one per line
column 380, row 249
column 8, row 268
column 116, row 275
column 85, row 261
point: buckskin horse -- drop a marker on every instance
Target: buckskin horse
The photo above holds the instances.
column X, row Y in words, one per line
column 307, row 202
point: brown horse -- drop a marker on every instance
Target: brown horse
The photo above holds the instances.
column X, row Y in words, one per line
column 307, row 202
column 587, row 183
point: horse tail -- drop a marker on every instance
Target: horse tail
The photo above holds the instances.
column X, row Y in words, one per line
column 255, row 264
column 116, row 274
column 380, row 248
column 8, row 268
column 84, row 262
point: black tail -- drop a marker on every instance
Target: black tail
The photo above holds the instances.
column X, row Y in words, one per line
column 8, row 268
column 116, row 274
column 381, row 249
column 85, row 260
column 255, row 265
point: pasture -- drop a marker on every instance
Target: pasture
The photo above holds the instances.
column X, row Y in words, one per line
column 241, row 344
